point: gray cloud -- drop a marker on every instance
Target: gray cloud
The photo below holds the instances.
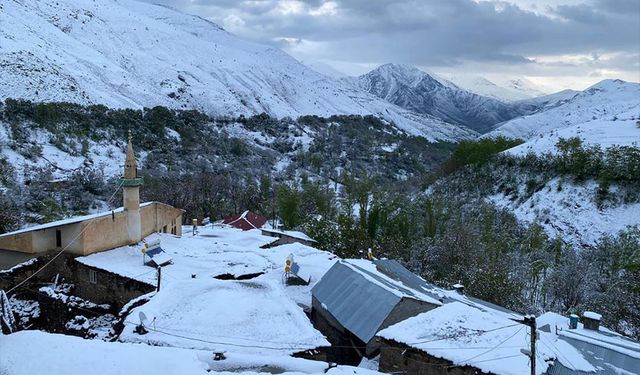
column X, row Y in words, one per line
column 434, row 33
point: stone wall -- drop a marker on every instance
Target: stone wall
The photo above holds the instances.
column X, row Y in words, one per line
column 19, row 242
column 406, row 308
column 341, row 339
column 109, row 287
column 401, row 359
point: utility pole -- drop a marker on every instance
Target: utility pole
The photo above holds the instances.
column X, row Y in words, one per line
column 532, row 325
column 530, row 320
column 159, row 277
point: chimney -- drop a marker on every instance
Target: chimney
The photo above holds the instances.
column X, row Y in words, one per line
column 458, row 288
column 573, row 321
column 591, row 320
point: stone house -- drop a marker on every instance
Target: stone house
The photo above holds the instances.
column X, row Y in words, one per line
column 357, row 298
column 287, row 237
column 245, row 221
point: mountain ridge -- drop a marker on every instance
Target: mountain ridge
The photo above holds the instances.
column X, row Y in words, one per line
column 132, row 54
column 419, row 91
column 604, row 101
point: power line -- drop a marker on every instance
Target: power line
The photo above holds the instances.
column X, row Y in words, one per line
column 64, row 248
column 462, row 335
column 495, row 347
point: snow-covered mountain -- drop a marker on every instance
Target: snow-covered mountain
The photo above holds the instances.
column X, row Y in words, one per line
column 542, row 103
column 133, row 54
column 623, row 131
column 606, row 101
column 419, row 91
column 509, row 90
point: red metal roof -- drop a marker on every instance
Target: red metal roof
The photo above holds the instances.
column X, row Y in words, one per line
column 246, row 221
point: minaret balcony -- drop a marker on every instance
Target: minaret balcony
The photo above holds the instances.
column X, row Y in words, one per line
column 132, row 182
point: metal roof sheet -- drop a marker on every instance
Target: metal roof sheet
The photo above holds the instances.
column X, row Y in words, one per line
column 357, row 303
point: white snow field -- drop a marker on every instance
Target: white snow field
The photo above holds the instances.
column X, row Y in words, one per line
column 59, row 354
column 100, row 155
column 604, row 101
column 134, row 54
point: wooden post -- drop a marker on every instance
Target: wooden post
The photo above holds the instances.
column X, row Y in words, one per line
column 532, row 324
column 159, row 277
column 530, row 320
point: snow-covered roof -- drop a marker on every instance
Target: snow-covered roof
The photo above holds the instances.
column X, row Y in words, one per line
column 602, row 348
column 290, row 233
column 361, row 297
column 71, row 220
column 232, row 315
column 592, row 315
column 466, row 335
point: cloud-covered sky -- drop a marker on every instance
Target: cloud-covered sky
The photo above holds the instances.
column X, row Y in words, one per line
column 555, row 43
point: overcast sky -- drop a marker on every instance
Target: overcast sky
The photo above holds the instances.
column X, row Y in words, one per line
column 555, row 43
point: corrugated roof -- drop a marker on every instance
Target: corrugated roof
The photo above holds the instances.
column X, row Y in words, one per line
column 246, row 221
column 360, row 297
column 358, row 304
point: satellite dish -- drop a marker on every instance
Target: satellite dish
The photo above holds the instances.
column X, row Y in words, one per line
column 143, row 319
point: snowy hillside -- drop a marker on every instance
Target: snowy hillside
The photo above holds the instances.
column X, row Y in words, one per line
column 624, row 131
column 568, row 211
column 418, row 91
column 131, row 54
column 509, row 91
column 607, row 100
column 542, row 103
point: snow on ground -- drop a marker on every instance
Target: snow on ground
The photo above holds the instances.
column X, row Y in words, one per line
column 59, row 354
column 467, row 336
column 569, row 211
column 100, row 155
column 231, row 315
column 623, row 131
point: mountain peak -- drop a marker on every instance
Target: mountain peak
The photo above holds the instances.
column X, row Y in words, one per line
column 416, row 90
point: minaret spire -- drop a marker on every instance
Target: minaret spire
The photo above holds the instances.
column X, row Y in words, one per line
column 130, row 164
column 131, row 194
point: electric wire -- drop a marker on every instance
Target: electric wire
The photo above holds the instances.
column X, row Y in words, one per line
column 91, row 222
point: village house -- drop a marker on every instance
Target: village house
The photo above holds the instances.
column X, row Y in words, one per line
column 286, row 237
column 245, row 221
column 461, row 339
column 88, row 234
column 609, row 352
column 356, row 298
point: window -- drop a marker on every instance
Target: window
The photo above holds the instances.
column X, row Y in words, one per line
column 58, row 238
column 93, row 277
column 164, row 229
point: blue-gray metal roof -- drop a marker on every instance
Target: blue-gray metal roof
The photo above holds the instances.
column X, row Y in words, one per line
column 358, row 304
column 359, row 298
column 608, row 357
column 397, row 271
